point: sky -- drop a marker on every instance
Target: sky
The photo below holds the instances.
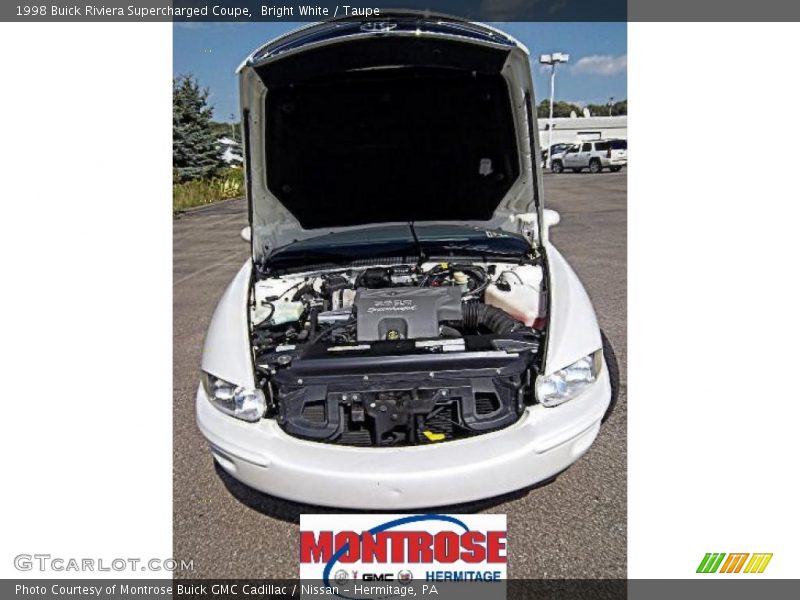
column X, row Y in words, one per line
column 597, row 70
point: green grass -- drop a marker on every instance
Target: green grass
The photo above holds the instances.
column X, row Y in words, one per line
column 200, row 192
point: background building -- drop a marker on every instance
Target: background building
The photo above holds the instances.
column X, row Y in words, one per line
column 569, row 129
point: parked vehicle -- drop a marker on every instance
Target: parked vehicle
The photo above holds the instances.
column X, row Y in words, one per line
column 593, row 155
column 554, row 149
column 404, row 333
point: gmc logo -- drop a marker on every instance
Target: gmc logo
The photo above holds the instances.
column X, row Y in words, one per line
column 378, row 577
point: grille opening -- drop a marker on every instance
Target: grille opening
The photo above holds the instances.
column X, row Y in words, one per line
column 443, row 422
column 401, row 417
column 486, row 403
column 356, row 437
column 314, row 412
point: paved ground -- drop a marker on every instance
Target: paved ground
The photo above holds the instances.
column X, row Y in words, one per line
column 574, row 527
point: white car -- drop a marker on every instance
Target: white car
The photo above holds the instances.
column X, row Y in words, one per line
column 404, row 335
column 594, row 155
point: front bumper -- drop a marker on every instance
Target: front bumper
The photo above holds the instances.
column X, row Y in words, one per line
column 541, row 444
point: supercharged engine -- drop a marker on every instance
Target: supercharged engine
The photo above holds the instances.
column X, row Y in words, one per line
column 402, row 313
column 398, row 355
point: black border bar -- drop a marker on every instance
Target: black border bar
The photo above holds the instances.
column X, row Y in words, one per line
column 474, row 10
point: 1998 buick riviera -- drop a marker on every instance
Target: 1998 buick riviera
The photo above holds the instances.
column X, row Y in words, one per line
column 404, row 333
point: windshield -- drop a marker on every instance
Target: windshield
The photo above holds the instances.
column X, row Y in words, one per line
column 398, row 242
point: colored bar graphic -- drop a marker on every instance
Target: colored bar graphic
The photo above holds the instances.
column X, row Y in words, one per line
column 733, row 564
column 710, row 563
column 734, row 560
column 767, row 558
column 717, row 563
column 701, row 567
column 751, row 564
column 740, row 564
column 758, row 563
column 726, row 565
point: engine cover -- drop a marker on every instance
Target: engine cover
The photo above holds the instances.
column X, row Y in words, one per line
column 405, row 312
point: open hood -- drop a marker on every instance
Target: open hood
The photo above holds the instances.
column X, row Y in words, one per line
column 354, row 123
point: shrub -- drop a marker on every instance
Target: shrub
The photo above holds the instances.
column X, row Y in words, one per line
column 229, row 184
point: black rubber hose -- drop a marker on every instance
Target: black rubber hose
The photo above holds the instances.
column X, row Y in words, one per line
column 475, row 314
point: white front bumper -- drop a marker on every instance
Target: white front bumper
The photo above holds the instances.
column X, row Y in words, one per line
column 541, row 444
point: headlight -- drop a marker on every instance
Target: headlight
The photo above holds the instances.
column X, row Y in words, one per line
column 234, row 400
column 570, row 381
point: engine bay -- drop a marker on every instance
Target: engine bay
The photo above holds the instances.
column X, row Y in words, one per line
column 398, row 354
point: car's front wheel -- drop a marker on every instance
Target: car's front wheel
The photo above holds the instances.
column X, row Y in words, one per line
column 556, row 167
column 595, row 166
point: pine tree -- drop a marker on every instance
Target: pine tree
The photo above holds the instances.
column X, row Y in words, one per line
column 195, row 154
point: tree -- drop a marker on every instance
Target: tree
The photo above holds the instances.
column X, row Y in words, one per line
column 195, row 154
column 564, row 109
column 601, row 110
column 560, row 109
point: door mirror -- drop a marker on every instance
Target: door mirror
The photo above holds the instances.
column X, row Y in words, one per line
column 246, row 234
column 550, row 218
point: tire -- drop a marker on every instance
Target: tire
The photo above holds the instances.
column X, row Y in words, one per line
column 615, row 169
column 556, row 166
column 595, row 166
column 577, row 170
column 613, row 374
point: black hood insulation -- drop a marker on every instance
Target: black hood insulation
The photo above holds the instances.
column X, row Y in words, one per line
column 393, row 143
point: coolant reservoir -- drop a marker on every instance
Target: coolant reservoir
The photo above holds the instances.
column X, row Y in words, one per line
column 286, row 312
column 523, row 298
column 271, row 299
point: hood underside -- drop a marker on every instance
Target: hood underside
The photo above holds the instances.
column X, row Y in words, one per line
column 399, row 144
column 422, row 121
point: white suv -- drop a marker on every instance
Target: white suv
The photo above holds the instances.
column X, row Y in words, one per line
column 594, row 155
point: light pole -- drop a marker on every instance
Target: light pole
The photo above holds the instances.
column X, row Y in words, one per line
column 610, row 105
column 552, row 60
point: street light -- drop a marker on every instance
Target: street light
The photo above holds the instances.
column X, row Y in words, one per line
column 552, row 60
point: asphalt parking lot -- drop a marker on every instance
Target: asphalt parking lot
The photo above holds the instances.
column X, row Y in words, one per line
column 574, row 527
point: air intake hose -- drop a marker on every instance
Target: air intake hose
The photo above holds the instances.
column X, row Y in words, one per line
column 475, row 314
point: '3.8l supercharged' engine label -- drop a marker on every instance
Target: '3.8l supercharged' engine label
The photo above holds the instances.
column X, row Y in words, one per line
column 411, row 313
column 366, row 556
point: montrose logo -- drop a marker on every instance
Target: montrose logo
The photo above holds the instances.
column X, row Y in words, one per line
column 719, row 562
column 347, row 549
